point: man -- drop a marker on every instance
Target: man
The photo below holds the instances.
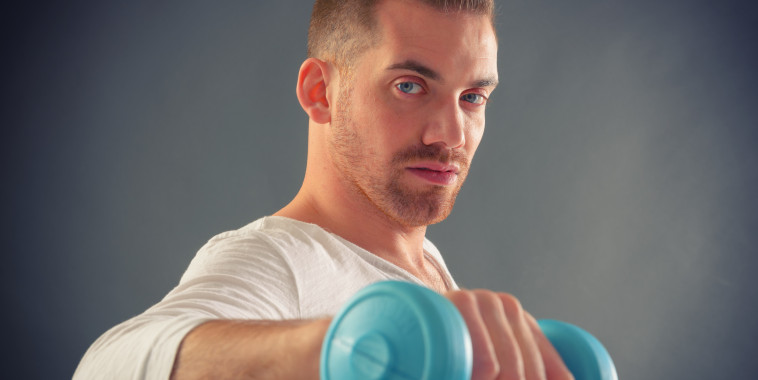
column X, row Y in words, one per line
column 395, row 91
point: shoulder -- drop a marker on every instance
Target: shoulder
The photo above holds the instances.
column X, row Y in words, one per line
column 269, row 242
column 267, row 233
column 247, row 273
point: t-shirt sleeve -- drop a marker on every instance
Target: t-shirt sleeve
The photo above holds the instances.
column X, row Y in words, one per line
column 234, row 276
column 143, row 347
column 239, row 276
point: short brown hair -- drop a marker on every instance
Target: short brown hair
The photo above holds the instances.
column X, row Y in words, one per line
column 341, row 30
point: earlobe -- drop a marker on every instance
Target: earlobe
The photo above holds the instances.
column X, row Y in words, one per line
column 312, row 83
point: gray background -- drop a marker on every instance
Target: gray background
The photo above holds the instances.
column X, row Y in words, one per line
column 614, row 187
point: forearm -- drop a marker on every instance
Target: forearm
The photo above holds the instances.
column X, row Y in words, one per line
column 251, row 349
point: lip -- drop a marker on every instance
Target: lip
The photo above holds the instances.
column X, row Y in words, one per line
column 435, row 172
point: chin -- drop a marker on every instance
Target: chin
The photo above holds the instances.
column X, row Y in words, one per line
column 422, row 221
column 423, row 212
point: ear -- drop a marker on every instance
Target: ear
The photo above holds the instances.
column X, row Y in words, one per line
column 312, row 83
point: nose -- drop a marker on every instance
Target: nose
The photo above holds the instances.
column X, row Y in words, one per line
column 446, row 125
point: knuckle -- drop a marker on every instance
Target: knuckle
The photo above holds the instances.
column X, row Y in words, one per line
column 511, row 304
column 485, row 295
column 487, row 299
column 462, row 298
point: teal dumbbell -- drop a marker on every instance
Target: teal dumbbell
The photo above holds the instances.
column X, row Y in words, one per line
column 396, row 330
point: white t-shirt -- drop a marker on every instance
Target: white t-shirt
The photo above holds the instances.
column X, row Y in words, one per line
column 274, row 268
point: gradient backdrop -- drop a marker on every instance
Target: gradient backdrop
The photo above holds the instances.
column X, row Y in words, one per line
column 615, row 187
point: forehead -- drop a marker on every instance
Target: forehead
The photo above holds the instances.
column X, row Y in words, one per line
column 456, row 41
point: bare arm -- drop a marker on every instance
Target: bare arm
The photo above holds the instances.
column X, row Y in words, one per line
column 506, row 340
column 251, row 349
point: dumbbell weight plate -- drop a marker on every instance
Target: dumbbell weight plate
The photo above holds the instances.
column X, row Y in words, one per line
column 395, row 330
column 583, row 354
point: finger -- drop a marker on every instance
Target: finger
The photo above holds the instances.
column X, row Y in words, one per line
column 555, row 369
column 534, row 367
column 485, row 365
column 507, row 350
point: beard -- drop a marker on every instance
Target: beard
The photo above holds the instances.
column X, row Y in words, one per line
column 381, row 183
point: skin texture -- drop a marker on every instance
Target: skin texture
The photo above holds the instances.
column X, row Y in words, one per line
column 389, row 147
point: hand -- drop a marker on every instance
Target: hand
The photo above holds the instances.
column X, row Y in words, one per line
column 506, row 340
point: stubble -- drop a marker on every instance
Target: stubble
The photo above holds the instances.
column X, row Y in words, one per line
column 381, row 183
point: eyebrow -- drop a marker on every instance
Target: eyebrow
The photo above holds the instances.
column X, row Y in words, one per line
column 428, row 72
column 417, row 67
column 489, row 82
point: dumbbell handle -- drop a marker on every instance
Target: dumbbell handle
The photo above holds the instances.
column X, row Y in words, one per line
column 394, row 330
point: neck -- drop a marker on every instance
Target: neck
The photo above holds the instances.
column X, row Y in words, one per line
column 354, row 218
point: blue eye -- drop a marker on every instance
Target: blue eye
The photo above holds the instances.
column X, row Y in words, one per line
column 473, row 98
column 409, row 87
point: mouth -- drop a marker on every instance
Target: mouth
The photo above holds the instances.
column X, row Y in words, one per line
column 435, row 173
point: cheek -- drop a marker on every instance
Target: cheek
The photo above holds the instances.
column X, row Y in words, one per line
column 388, row 123
column 474, row 135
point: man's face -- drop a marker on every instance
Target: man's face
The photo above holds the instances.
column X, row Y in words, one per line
column 411, row 115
